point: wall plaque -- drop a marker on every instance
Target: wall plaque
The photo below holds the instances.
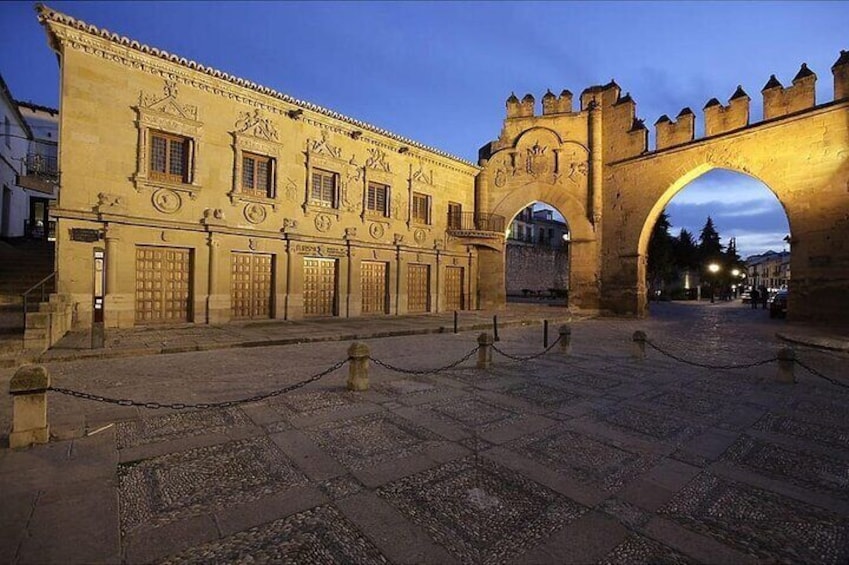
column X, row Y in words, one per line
column 84, row 234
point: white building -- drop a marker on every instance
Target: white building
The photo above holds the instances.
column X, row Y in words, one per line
column 28, row 173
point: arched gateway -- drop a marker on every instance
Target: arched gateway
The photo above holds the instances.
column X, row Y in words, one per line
column 594, row 165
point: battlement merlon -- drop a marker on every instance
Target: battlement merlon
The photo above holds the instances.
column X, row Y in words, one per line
column 720, row 119
column 840, row 71
column 780, row 101
column 682, row 130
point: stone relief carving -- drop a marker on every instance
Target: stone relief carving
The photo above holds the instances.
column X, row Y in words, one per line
column 289, row 224
column 377, row 160
column 421, row 175
column 257, row 125
column 397, row 206
column 376, row 230
column 323, row 222
column 107, row 202
column 252, row 244
column 213, row 214
column 255, row 213
column 537, row 161
column 398, row 239
column 291, row 189
column 350, row 233
column 351, row 187
column 167, row 102
column 166, row 201
column 419, row 236
column 323, row 147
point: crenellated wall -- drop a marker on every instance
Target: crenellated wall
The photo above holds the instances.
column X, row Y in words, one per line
column 800, row 150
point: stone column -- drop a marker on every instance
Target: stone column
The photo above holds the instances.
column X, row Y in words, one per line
column 786, row 364
column 485, row 342
column 28, row 388
column 638, row 347
column 217, row 306
column 358, row 356
column 565, row 340
column 596, row 196
column 482, row 204
column 113, row 302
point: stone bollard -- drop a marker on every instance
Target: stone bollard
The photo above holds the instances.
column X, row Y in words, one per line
column 638, row 349
column 28, row 388
column 358, row 356
column 485, row 342
column 565, row 340
column 786, row 364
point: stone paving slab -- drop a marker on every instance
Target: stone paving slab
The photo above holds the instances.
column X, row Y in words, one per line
column 594, row 458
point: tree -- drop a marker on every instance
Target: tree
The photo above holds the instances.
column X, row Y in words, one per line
column 710, row 247
column 686, row 251
column 661, row 257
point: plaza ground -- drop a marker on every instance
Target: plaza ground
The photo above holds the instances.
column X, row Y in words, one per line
column 592, row 457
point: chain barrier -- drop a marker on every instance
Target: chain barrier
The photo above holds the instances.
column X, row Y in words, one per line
column 528, row 357
column 425, row 371
column 707, row 366
column 820, row 375
column 199, row 405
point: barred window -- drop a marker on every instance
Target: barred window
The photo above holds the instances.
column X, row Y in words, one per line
column 378, row 198
column 169, row 157
column 455, row 216
column 323, row 191
column 257, row 171
column 421, row 208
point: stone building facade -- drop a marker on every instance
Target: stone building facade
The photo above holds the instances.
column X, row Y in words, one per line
column 192, row 196
column 537, row 254
column 189, row 195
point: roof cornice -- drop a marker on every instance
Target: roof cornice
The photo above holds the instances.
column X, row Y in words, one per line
column 47, row 16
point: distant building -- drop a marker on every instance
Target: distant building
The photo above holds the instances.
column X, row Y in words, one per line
column 29, row 173
column 770, row 269
column 537, row 253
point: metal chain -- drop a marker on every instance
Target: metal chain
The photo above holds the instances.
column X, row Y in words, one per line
column 199, row 405
column 707, row 366
column 820, row 375
column 425, row 371
column 529, row 357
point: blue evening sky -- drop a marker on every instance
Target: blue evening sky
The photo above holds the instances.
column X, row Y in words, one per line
column 439, row 72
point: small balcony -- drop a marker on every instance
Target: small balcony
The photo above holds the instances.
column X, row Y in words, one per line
column 41, row 173
column 487, row 229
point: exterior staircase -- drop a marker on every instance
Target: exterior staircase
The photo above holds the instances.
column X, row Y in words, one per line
column 23, row 263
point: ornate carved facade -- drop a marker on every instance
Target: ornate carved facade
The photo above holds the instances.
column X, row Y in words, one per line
column 174, row 163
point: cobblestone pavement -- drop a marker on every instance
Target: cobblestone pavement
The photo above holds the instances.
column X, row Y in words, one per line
column 595, row 457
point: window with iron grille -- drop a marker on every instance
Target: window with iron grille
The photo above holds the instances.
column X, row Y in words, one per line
column 169, row 157
column 257, row 173
column 455, row 216
column 421, row 208
column 323, row 188
column 377, row 200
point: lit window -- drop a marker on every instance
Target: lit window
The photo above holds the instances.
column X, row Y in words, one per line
column 323, row 188
column 377, row 200
column 421, row 208
column 257, row 172
column 169, row 157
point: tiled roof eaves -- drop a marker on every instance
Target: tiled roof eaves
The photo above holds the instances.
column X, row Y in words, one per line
column 47, row 13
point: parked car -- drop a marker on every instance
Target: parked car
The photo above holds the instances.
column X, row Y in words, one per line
column 746, row 297
column 778, row 305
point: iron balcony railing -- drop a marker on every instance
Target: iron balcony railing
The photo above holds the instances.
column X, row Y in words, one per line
column 473, row 221
column 43, row 166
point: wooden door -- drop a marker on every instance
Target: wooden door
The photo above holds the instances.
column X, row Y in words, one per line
column 163, row 285
column 454, row 288
column 250, row 286
column 319, row 287
column 418, row 288
column 373, row 285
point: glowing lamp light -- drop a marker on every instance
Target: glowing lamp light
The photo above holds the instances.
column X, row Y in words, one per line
column 735, row 272
column 713, row 268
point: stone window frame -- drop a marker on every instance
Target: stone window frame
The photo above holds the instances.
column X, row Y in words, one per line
column 329, row 164
column 428, row 220
column 242, row 144
column 387, row 192
column 459, row 211
column 150, row 122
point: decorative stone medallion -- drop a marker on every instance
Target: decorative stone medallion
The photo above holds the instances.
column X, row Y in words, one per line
column 323, row 222
column 166, row 201
column 419, row 236
column 376, row 230
column 255, row 213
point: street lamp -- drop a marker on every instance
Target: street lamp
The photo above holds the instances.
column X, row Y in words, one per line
column 713, row 268
column 735, row 272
